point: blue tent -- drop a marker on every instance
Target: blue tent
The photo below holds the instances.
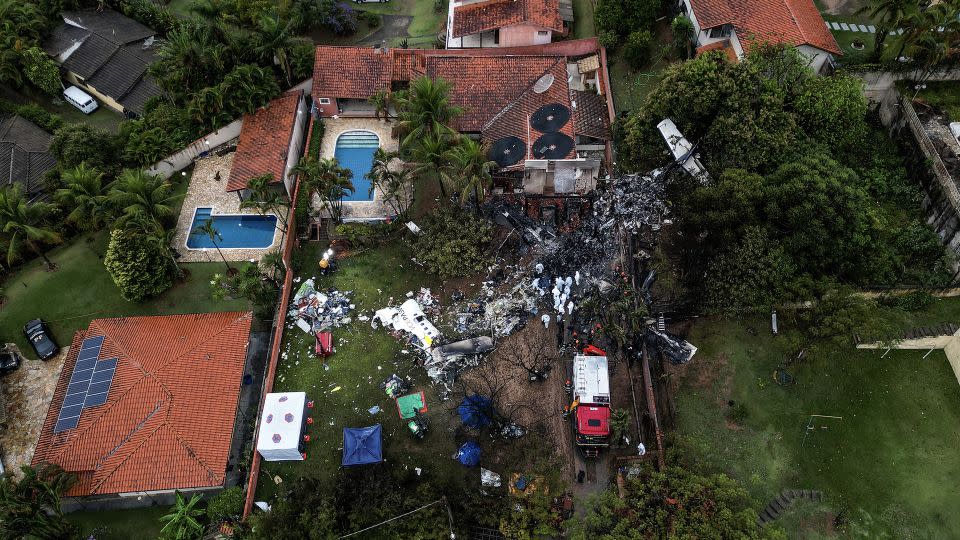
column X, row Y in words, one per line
column 475, row 411
column 469, row 454
column 362, row 446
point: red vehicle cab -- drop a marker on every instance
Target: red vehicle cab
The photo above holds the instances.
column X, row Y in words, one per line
column 591, row 394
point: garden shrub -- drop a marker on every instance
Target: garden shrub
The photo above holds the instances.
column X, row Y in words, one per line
column 140, row 267
column 41, row 70
column 74, row 144
column 682, row 28
column 150, row 15
column 608, row 39
column 226, row 505
column 372, row 18
column 47, row 121
column 454, row 242
column 637, row 50
column 363, row 234
column 162, row 130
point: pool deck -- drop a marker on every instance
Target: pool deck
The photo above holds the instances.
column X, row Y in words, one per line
column 333, row 128
column 205, row 191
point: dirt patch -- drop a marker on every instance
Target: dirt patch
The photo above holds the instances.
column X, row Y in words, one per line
column 841, row 7
column 27, row 393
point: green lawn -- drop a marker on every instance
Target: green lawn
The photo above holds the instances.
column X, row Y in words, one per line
column 120, row 524
column 945, row 95
column 104, row 117
column 81, row 290
column 364, row 357
column 583, row 25
column 893, row 454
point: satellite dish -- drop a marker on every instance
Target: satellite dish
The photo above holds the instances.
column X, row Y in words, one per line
column 552, row 146
column 550, row 118
column 507, row 151
column 543, row 83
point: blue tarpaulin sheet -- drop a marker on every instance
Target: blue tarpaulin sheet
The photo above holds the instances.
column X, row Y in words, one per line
column 475, row 411
column 362, row 446
column 469, row 454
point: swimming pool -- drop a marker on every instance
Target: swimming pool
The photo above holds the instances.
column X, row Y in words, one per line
column 236, row 230
column 355, row 151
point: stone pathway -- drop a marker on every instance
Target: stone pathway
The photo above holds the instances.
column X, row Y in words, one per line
column 27, row 392
column 863, row 28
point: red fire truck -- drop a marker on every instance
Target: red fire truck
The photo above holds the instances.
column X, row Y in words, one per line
column 590, row 409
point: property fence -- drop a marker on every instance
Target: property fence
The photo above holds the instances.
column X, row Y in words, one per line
column 200, row 147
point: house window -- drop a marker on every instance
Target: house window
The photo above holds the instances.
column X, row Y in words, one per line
column 324, row 101
column 720, row 31
column 541, row 32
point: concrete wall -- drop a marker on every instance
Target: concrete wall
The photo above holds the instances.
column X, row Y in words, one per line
column 200, row 147
column 297, row 141
column 524, row 34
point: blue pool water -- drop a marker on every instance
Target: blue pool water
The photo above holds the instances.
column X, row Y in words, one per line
column 355, row 151
column 236, row 231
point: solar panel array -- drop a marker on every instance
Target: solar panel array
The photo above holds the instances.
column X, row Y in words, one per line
column 89, row 384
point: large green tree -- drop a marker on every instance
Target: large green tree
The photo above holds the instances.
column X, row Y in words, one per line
column 139, row 267
column 674, row 503
column 74, row 144
column 469, row 168
column 26, row 224
column 138, row 194
column 84, row 195
column 30, row 506
column 425, row 110
column 326, row 179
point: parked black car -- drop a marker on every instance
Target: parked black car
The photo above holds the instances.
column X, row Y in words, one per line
column 9, row 361
column 40, row 339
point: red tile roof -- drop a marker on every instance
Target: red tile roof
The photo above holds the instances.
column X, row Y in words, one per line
column 723, row 46
column 484, row 85
column 169, row 417
column 488, row 15
column 264, row 142
column 351, row 72
column 795, row 22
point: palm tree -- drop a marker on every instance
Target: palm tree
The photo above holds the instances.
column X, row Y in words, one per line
column 273, row 41
column 393, row 183
column 183, row 521
column 86, row 194
column 889, row 14
column 430, row 154
column 137, row 194
column 381, row 102
column 272, row 264
column 426, row 109
column 264, row 198
column 210, row 231
column 25, row 223
column 469, row 169
column 328, row 180
column 30, row 507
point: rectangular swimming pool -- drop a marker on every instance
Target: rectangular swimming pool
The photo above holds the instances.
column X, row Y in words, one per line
column 236, row 230
column 354, row 151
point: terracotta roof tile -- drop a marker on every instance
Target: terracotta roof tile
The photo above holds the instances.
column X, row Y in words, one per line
column 172, row 402
column 351, row 72
column 264, row 142
column 723, row 46
column 795, row 22
column 590, row 116
column 488, row 15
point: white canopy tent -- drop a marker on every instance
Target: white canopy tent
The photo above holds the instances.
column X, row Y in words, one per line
column 281, row 425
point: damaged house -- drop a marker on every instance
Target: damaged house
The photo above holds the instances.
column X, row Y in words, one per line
column 543, row 112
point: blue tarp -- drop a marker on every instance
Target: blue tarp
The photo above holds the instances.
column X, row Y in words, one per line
column 469, row 454
column 362, row 446
column 475, row 411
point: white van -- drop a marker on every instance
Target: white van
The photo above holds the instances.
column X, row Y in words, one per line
column 80, row 99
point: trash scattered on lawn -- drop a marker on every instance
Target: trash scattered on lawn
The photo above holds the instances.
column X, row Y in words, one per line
column 374, row 410
column 336, row 389
column 315, row 311
column 489, row 478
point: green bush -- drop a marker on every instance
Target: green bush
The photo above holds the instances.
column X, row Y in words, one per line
column 151, row 15
column 372, row 18
column 74, row 144
column 682, row 28
column 226, row 505
column 738, row 413
column 363, row 234
column 625, row 16
column 41, row 70
column 453, row 243
column 637, row 50
column 47, row 121
column 141, row 268
column 162, row 130
column 609, row 39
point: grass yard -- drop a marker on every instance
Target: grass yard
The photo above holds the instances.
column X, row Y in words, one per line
column 583, row 24
column 364, row 357
column 81, row 290
column 945, row 95
column 120, row 524
column 893, row 455
column 104, row 117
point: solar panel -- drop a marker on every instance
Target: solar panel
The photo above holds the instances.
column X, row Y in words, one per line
column 89, row 384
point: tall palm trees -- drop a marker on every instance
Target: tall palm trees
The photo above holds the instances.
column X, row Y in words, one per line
column 25, row 224
column 392, row 181
column 274, row 40
column 209, row 230
column 381, row 102
column 137, row 194
column 328, row 180
column 30, row 507
column 85, row 195
column 426, row 110
column 430, row 154
column 469, row 169
column 888, row 14
column 264, row 198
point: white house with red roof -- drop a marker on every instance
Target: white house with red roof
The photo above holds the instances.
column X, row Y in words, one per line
column 735, row 26
column 502, row 23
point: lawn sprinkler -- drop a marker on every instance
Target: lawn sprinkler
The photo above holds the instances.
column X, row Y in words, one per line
column 327, row 263
column 418, row 425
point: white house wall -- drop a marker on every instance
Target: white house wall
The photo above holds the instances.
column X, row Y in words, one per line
column 296, row 143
